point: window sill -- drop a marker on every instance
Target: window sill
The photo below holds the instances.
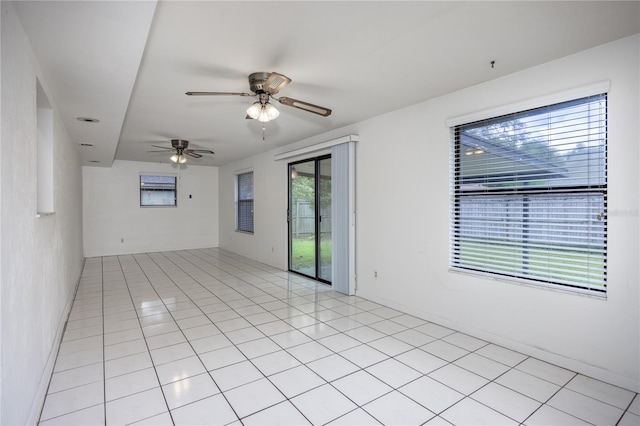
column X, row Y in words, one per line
column 532, row 284
column 244, row 232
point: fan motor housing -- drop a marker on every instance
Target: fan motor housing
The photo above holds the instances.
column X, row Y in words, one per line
column 257, row 80
column 179, row 143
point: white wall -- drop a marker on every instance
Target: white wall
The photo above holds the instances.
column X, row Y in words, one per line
column 112, row 212
column 403, row 157
column 41, row 258
column 268, row 243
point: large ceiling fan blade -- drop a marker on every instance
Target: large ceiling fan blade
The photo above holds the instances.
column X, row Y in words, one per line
column 201, row 151
column 306, row 106
column 192, row 154
column 218, row 94
column 163, row 147
column 156, row 151
column 275, row 82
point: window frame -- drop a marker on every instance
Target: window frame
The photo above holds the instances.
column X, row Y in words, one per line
column 244, row 223
column 156, row 175
column 586, row 190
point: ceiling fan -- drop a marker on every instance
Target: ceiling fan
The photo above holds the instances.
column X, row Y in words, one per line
column 264, row 85
column 180, row 148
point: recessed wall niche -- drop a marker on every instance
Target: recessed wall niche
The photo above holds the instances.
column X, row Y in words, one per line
column 44, row 148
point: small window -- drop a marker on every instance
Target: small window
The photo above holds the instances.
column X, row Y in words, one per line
column 529, row 195
column 244, row 202
column 158, row 191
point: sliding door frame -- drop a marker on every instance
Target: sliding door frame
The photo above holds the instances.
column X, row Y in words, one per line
column 343, row 151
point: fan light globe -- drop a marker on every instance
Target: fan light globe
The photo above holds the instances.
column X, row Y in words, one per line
column 178, row 158
column 271, row 111
column 254, row 110
column 263, row 112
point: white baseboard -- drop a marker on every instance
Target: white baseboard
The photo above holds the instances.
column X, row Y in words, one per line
column 43, row 386
column 127, row 249
column 578, row 366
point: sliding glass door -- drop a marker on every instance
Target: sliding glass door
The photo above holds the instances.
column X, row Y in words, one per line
column 302, row 223
column 324, row 220
column 310, row 218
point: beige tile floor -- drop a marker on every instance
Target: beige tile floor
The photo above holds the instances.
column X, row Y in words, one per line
column 209, row 337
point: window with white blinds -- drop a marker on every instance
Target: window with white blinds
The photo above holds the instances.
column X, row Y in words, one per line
column 529, row 195
column 244, row 202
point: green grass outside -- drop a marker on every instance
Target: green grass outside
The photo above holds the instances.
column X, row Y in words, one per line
column 303, row 253
column 582, row 268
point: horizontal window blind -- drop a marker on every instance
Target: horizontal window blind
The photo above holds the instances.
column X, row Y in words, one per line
column 244, row 202
column 529, row 195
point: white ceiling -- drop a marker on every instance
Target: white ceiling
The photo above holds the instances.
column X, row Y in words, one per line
column 128, row 63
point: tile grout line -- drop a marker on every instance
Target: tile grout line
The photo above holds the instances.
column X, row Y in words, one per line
column 181, row 331
column 264, row 375
column 58, row 351
column 360, row 369
column 239, row 272
column 252, row 363
column 302, row 364
column 126, row 283
column 627, row 410
column 104, row 359
column 330, row 383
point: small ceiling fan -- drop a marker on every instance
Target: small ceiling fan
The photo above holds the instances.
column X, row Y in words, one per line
column 264, row 85
column 180, row 148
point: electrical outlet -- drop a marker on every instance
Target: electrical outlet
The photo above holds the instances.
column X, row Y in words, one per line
column 375, row 274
